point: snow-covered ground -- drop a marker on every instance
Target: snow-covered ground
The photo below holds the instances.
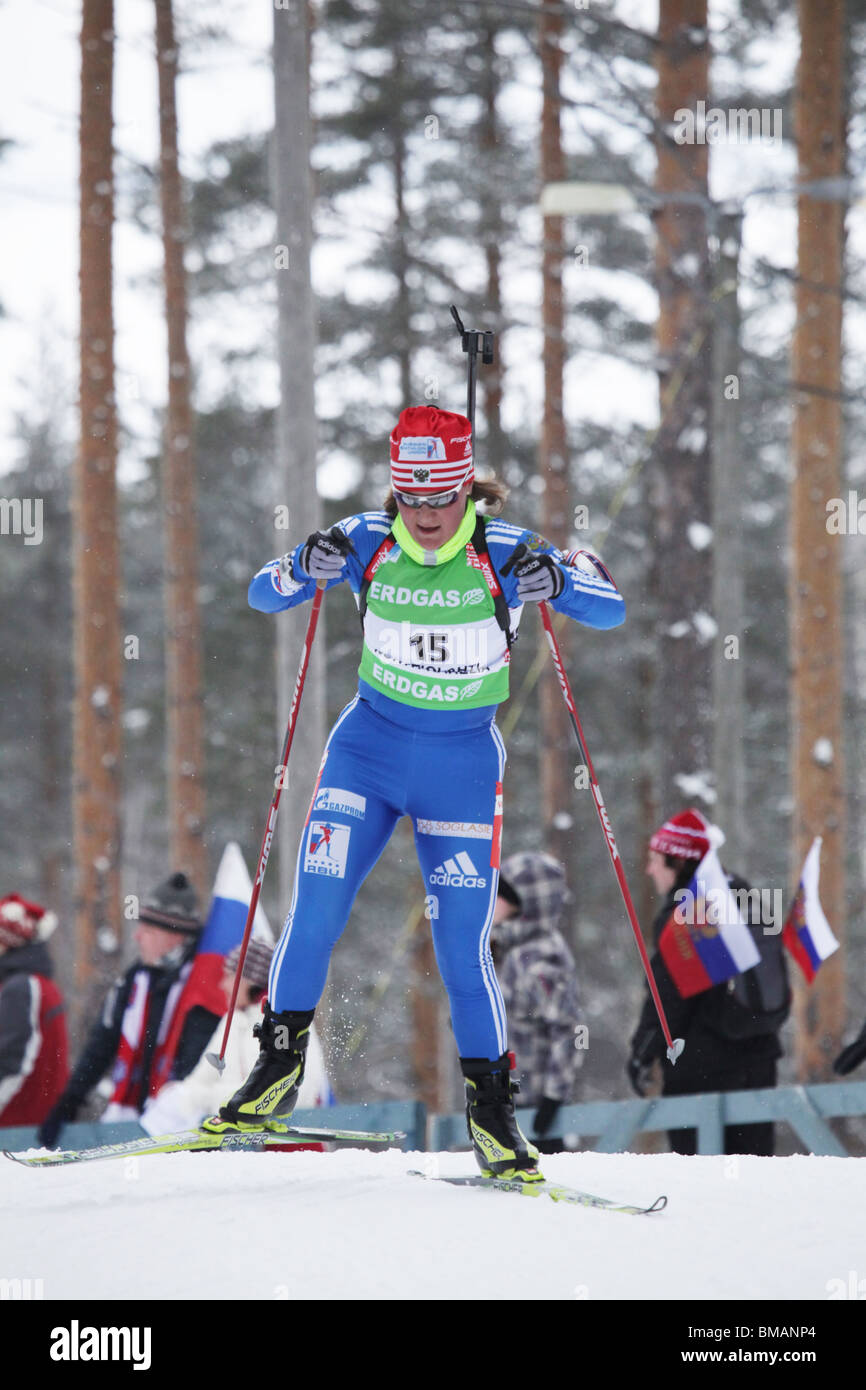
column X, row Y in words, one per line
column 354, row 1225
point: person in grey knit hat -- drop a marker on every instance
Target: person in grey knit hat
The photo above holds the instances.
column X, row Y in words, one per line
column 538, row 978
column 130, row 1039
column 183, row 1103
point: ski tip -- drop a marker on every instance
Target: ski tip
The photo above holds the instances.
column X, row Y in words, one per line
column 658, row 1205
column 27, row 1162
column 676, row 1050
column 216, row 1061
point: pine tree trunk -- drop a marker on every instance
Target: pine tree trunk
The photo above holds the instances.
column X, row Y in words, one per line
column 403, row 305
column 185, row 753
column 96, row 620
column 680, row 483
column 296, row 415
column 432, row 1040
column 728, row 550
column 818, row 753
column 493, row 235
column 558, row 750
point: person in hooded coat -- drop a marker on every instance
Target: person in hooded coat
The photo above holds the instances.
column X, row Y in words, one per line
column 538, row 978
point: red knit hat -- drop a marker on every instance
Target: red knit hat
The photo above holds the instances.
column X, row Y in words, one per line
column 686, row 836
column 431, row 451
column 22, row 922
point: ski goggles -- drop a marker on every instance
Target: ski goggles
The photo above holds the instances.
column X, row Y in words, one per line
column 436, row 500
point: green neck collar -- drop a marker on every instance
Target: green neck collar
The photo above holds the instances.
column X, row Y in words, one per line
column 458, row 541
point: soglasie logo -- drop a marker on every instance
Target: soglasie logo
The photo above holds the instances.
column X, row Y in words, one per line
column 713, row 127
column 77, row 1343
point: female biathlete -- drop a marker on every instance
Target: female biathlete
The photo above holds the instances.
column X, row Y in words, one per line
column 440, row 590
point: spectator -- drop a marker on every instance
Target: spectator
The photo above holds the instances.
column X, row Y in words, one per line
column 33, row 1049
column 730, row 1030
column 184, row 1104
column 134, row 1027
column 537, row 975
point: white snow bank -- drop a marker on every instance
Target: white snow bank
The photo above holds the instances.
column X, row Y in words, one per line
column 353, row 1225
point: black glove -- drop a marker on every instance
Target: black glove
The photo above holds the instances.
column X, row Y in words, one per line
column 324, row 554
column 545, row 1115
column 65, row 1110
column 639, row 1074
column 851, row 1056
column 539, row 577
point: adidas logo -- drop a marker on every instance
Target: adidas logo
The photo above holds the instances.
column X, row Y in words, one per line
column 458, row 872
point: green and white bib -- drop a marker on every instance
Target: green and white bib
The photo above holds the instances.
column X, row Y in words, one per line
column 431, row 638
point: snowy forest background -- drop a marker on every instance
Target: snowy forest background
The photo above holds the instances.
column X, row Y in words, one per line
column 412, row 186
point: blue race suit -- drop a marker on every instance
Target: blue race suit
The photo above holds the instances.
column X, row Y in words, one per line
column 443, row 767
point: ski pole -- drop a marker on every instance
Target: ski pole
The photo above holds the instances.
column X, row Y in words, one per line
column 218, row 1060
column 473, row 342
column 674, row 1046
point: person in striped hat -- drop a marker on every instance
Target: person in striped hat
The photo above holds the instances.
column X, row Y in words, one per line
column 440, row 586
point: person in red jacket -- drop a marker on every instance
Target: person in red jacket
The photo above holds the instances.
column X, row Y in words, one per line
column 33, row 1047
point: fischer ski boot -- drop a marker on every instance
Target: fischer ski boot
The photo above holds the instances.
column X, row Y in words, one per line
column 269, row 1094
column 501, row 1150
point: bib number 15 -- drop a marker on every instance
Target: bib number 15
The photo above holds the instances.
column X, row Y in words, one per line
column 430, row 647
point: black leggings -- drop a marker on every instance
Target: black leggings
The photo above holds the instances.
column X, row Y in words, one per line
column 758, row 1139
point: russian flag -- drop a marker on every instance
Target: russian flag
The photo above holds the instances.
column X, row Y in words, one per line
column 706, row 940
column 222, row 931
column 807, row 933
